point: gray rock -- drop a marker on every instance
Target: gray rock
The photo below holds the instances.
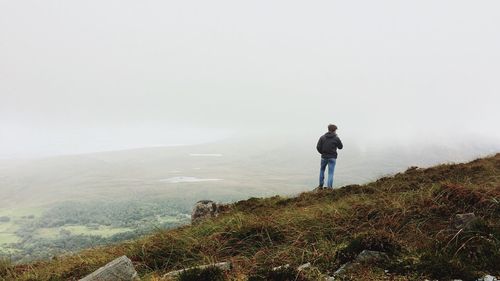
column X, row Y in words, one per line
column 203, row 210
column 488, row 278
column 464, row 221
column 304, row 266
column 120, row 269
column 343, row 269
column 366, row 256
column 222, row 265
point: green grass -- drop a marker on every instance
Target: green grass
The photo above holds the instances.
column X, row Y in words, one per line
column 8, row 229
column 407, row 215
column 15, row 216
column 6, row 238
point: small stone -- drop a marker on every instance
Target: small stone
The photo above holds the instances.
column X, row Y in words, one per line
column 367, row 256
column 488, row 278
column 304, row 266
column 281, row 267
column 464, row 221
column 343, row 269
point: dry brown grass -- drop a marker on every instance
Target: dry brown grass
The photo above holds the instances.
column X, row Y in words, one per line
column 407, row 215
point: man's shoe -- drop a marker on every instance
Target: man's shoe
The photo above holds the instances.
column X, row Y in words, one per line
column 319, row 188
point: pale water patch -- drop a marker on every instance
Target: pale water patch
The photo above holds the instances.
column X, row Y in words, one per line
column 186, row 179
column 205, row 154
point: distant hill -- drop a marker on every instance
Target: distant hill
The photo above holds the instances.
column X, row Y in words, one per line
column 411, row 217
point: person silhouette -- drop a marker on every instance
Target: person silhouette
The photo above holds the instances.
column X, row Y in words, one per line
column 327, row 146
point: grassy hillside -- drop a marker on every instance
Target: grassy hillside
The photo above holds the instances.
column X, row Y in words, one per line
column 407, row 215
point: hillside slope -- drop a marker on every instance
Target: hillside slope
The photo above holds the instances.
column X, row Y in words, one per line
column 408, row 216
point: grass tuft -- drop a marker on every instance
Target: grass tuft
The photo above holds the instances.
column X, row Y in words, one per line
column 211, row 273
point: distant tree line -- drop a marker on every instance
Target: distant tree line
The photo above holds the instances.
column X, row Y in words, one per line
column 141, row 216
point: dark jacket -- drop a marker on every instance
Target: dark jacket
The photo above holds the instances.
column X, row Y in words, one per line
column 328, row 144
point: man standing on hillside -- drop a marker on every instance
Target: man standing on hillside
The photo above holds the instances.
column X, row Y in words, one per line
column 327, row 147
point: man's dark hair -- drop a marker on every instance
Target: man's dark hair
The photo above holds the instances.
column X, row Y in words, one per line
column 332, row 128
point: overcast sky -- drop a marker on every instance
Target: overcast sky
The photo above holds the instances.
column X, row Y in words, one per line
column 79, row 76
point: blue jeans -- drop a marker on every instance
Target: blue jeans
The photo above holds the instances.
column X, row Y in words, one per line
column 331, row 168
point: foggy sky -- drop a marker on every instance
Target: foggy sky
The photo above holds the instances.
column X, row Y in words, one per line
column 79, row 76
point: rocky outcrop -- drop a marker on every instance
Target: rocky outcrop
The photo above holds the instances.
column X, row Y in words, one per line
column 205, row 209
column 120, row 269
column 225, row 266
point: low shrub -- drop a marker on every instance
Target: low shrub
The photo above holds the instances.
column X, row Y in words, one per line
column 464, row 254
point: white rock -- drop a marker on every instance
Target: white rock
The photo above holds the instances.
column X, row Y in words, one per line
column 221, row 265
column 281, row 267
column 488, row 278
column 304, row 266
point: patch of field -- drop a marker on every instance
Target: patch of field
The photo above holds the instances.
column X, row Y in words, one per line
column 7, row 234
column 9, row 228
column 7, row 238
column 103, row 231
column 20, row 213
